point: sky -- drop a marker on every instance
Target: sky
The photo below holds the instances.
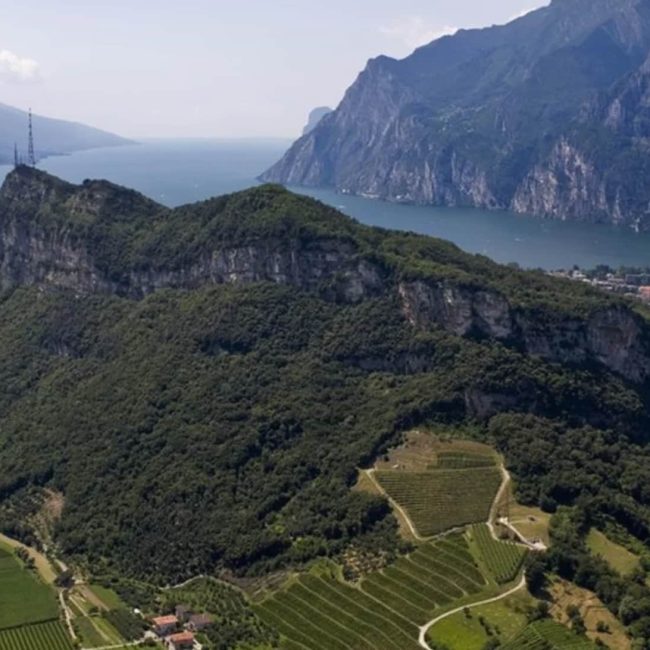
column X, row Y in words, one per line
column 210, row 68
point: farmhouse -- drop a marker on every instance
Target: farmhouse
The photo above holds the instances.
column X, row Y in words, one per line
column 163, row 625
column 199, row 622
column 183, row 613
column 181, row 641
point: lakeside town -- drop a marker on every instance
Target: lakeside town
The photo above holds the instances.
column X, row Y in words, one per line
column 632, row 283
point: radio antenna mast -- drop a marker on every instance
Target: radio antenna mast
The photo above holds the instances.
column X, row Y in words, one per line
column 31, row 156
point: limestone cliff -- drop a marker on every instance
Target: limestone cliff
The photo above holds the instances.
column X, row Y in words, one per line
column 546, row 115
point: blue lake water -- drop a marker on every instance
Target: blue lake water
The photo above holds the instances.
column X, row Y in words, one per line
column 182, row 171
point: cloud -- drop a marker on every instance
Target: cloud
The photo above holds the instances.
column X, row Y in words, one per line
column 414, row 31
column 17, row 68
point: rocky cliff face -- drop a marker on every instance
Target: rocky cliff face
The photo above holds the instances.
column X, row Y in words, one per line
column 520, row 117
column 613, row 337
column 45, row 241
column 56, row 235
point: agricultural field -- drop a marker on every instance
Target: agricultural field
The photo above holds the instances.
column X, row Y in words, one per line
column 96, row 624
column 438, row 500
column 384, row 610
column 547, row 635
column 422, row 450
column 40, row 636
column 617, row 556
column 502, row 620
column 503, row 560
column 452, row 459
column 24, row 598
column 105, row 597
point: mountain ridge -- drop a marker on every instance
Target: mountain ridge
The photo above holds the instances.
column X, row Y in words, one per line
column 500, row 118
column 56, row 234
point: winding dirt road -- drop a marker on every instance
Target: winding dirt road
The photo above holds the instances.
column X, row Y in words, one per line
column 425, row 628
column 492, row 517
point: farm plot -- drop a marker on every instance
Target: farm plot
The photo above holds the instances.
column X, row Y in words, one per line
column 431, row 577
column 548, row 635
column 317, row 612
column 23, row 598
column 463, row 460
column 386, row 608
column 41, row 636
column 503, row 559
column 442, row 499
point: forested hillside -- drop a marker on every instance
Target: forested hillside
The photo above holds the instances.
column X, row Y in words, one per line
column 201, row 384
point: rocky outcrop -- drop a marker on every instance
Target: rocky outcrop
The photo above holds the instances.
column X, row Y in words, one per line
column 315, row 117
column 547, row 116
column 44, row 241
column 566, row 186
column 56, row 258
column 461, row 310
column 613, row 337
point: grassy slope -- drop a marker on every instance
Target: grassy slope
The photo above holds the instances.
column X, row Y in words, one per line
column 618, row 557
column 23, row 598
column 505, row 619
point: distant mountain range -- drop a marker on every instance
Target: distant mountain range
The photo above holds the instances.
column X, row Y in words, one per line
column 51, row 136
column 547, row 115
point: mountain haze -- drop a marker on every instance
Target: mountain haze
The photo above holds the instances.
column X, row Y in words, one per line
column 51, row 136
column 545, row 115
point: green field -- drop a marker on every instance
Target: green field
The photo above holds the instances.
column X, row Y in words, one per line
column 41, row 636
column 23, row 598
column 502, row 559
column 441, row 499
column 107, row 596
column 502, row 620
column 618, row 557
column 463, row 460
column 548, row 635
column 384, row 610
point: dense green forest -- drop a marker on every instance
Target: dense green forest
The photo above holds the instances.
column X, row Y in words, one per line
column 221, row 426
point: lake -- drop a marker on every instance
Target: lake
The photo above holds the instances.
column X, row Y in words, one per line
column 175, row 172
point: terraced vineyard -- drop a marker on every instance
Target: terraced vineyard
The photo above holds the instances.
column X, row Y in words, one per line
column 441, row 499
column 384, row 610
column 463, row 460
column 548, row 635
column 503, row 559
column 41, row 636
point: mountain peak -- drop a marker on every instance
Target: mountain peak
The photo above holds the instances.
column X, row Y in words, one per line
column 481, row 118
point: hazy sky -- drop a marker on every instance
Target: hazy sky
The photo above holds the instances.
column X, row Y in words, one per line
column 210, row 68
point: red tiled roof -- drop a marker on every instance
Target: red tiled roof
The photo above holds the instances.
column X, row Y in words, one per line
column 165, row 620
column 182, row 637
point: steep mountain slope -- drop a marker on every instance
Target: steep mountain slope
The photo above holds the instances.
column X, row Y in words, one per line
column 213, row 375
column 52, row 136
column 505, row 117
